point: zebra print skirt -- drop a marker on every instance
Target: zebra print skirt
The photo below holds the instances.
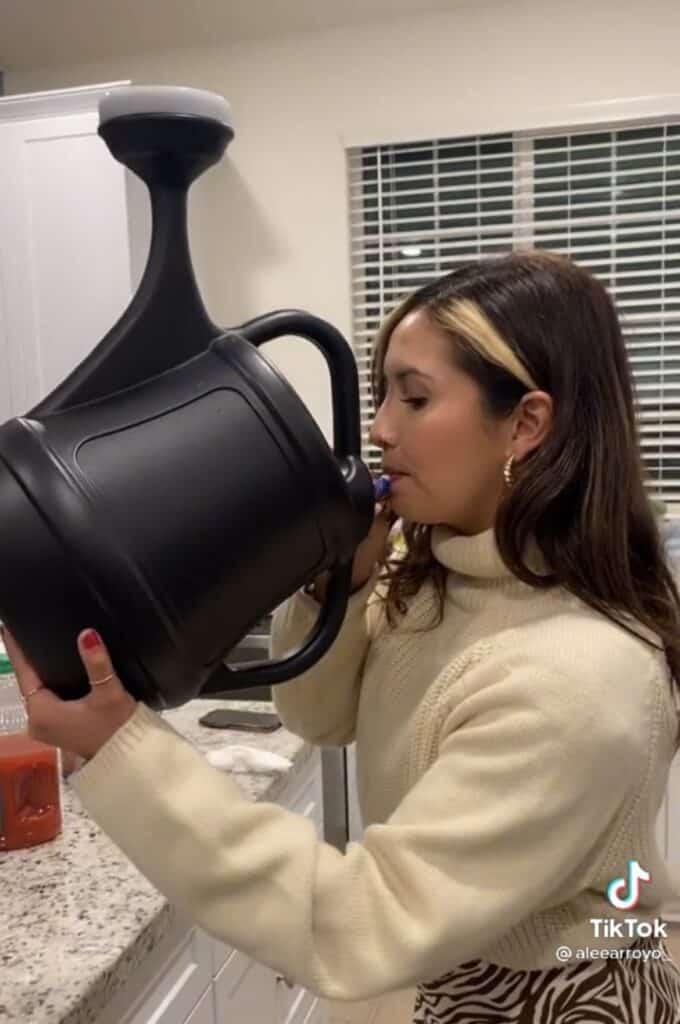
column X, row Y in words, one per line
column 618, row 991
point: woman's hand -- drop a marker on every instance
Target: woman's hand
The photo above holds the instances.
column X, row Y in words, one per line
column 81, row 726
column 371, row 551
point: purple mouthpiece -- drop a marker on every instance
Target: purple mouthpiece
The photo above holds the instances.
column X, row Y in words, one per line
column 381, row 487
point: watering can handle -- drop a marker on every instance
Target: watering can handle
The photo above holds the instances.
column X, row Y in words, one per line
column 347, row 449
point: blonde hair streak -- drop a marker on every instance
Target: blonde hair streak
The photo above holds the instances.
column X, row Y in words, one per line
column 464, row 318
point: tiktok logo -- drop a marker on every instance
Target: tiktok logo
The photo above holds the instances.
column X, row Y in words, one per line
column 616, row 888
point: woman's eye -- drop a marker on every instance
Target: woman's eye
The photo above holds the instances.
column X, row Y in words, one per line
column 416, row 403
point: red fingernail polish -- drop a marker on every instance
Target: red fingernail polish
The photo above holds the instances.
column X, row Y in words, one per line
column 92, row 639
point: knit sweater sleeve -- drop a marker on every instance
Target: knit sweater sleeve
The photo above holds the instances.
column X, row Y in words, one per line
column 529, row 776
column 321, row 704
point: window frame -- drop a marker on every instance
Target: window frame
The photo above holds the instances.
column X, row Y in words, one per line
column 613, row 116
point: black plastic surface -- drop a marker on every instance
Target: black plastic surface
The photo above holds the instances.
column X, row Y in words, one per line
column 174, row 489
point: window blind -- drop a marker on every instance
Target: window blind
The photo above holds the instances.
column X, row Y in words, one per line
column 609, row 197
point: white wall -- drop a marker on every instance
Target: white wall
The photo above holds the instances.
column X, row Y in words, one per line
column 269, row 226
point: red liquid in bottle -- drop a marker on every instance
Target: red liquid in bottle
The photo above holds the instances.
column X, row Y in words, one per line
column 30, row 805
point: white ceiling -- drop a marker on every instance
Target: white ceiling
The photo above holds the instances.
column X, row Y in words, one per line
column 44, row 33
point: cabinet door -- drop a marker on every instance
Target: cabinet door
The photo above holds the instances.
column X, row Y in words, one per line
column 244, row 991
column 356, row 828
column 317, row 1014
column 304, row 795
column 178, row 988
column 64, row 249
column 168, row 985
column 204, row 1013
column 297, row 1010
column 293, row 1002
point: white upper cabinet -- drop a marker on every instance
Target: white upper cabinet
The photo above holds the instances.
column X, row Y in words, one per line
column 64, row 241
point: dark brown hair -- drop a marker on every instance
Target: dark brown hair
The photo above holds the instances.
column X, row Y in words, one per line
column 580, row 495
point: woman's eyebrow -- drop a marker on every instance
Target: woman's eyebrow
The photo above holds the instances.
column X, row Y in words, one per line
column 408, row 371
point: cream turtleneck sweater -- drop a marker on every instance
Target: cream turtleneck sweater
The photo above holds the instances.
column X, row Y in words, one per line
column 510, row 763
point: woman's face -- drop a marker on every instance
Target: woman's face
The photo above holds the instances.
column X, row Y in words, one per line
column 445, row 457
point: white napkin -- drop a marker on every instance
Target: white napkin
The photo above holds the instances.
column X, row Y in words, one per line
column 235, row 758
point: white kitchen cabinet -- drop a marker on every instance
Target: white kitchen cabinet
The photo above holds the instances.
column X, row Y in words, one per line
column 65, row 274
column 245, row 991
column 184, row 980
column 238, row 986
column 316, row 1015
column 169, row 985
column 356, row 828
column 204, row 1012
column 191, row 978
column 293, row 1005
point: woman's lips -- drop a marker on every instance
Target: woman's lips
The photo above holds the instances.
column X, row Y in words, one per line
column 395, row 478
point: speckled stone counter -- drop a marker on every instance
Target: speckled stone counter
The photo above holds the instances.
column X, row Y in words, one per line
column 77, row 918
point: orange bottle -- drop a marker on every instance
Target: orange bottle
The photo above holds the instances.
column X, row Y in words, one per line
column 30, row 805
column 30, row 796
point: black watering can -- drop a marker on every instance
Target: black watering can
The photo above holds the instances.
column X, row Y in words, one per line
column 174, row 489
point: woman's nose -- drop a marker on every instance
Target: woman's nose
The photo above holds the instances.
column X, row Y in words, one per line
column 381, row 433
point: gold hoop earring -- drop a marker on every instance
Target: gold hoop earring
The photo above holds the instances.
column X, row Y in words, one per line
column 507, row 471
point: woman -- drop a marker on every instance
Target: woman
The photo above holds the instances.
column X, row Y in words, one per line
column 509, row 681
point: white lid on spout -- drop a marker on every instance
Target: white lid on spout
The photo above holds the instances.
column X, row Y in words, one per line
column 164, row 99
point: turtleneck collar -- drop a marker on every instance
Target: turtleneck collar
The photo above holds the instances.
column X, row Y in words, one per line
column 477, row 555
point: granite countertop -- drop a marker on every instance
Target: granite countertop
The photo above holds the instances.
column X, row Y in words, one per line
column 77, row 918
